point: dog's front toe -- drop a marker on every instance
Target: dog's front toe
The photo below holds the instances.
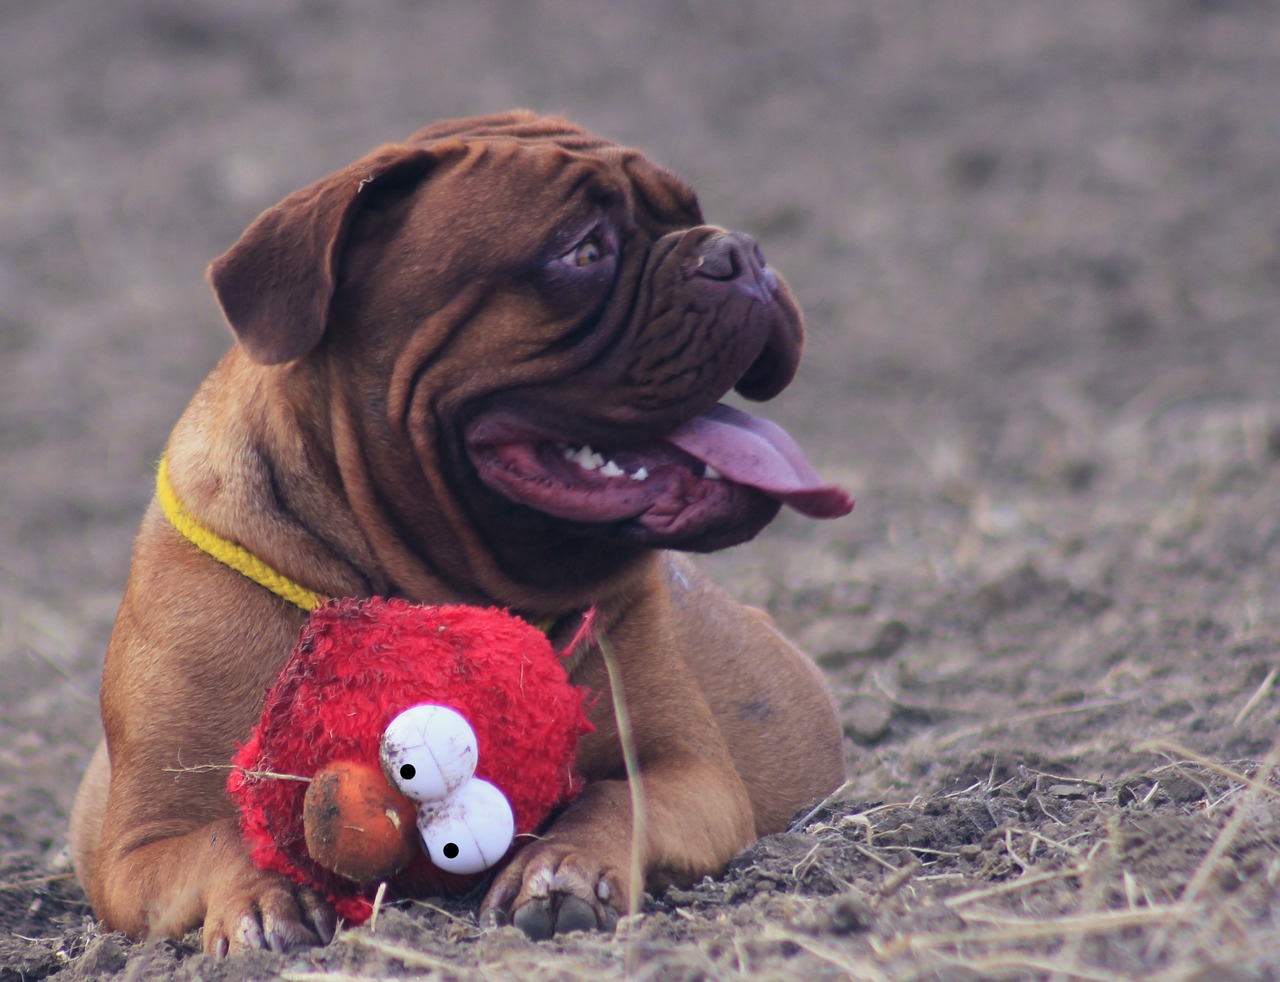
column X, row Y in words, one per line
column 267, row 913
column 559, row 913
column 555, row 892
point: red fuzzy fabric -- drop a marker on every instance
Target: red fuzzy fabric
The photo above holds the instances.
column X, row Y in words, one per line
column 356, row 665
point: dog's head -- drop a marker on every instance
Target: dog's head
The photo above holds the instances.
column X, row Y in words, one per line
column 531, row 328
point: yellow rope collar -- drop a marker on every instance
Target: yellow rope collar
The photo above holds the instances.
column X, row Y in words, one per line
column 241, row 559
column 227, row 552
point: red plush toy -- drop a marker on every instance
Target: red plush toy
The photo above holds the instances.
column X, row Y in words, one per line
column 406, row 744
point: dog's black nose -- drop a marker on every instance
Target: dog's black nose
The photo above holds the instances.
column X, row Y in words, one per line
column 730, row 256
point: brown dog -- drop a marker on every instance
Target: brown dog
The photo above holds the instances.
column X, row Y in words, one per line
column 481, row 366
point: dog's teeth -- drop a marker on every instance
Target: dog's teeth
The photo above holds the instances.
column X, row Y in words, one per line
column 585, row 457
column 640, row 475
column 711, row 474
column 589, row 460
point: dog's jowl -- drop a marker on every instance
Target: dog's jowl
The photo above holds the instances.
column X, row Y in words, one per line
column 481, row 366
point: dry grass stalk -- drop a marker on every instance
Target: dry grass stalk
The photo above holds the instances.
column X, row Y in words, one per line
column 1013, row 930
column 1097, row 877
column 921, row 851
column 1024, row 864
column 409, row 957
column 35, row 881
column 989, row 965
column 1008, row 722
column 378, row 898
column 861, row 819
column 1070, row 925
column 1053, row 843
column 856, row 968
column 833, row 796
column 893, row 884
column 1259, row 694
column 205, row 768
column 631, row 761
column 1187, row 902
column 329, row 977
column 811, row 859
column 862, row 850
column 1174, row 749
column 460, row 921
column 1012, row 886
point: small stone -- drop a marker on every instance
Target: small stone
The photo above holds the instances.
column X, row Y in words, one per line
column 867, row 718
column 1067, row 791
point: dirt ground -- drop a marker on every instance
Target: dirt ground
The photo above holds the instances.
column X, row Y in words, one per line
column 1038, row 245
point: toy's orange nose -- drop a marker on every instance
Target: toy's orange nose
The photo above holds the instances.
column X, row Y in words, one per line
column 356, row 824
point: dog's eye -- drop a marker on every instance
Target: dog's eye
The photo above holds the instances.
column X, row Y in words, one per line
column 586, row 253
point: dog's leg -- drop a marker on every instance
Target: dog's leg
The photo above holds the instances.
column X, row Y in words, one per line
column 735, row 732
column 183, row 683
column 165, row 887
column 86, row 816
column 769, row 699
column 696, row 810
column 273, row 918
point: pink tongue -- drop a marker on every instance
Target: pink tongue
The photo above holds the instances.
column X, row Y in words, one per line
column 762, row 455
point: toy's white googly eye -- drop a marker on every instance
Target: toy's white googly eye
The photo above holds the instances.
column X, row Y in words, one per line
column 428, row 752
column 469, row 832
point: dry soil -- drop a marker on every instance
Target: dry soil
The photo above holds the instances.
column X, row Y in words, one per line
column 1038, row 245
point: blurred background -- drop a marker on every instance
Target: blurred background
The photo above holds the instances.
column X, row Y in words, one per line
column 1037, row 244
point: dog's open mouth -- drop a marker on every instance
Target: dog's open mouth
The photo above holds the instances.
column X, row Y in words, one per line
column 720, row 472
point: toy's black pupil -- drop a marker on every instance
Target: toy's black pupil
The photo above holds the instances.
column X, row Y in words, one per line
column 450, row 850
column 407, row 771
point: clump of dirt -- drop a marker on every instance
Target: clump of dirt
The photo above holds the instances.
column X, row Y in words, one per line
column 1038, row 252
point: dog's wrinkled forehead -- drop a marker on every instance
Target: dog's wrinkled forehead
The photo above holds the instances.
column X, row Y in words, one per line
column 554, row 152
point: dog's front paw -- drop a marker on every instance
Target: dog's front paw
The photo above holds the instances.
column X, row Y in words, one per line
column 265, row 910
column 552, row 889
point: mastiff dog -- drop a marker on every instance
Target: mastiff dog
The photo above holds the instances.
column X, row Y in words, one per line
column 485, row 366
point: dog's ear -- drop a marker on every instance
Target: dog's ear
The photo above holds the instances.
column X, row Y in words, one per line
column 275, row 284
